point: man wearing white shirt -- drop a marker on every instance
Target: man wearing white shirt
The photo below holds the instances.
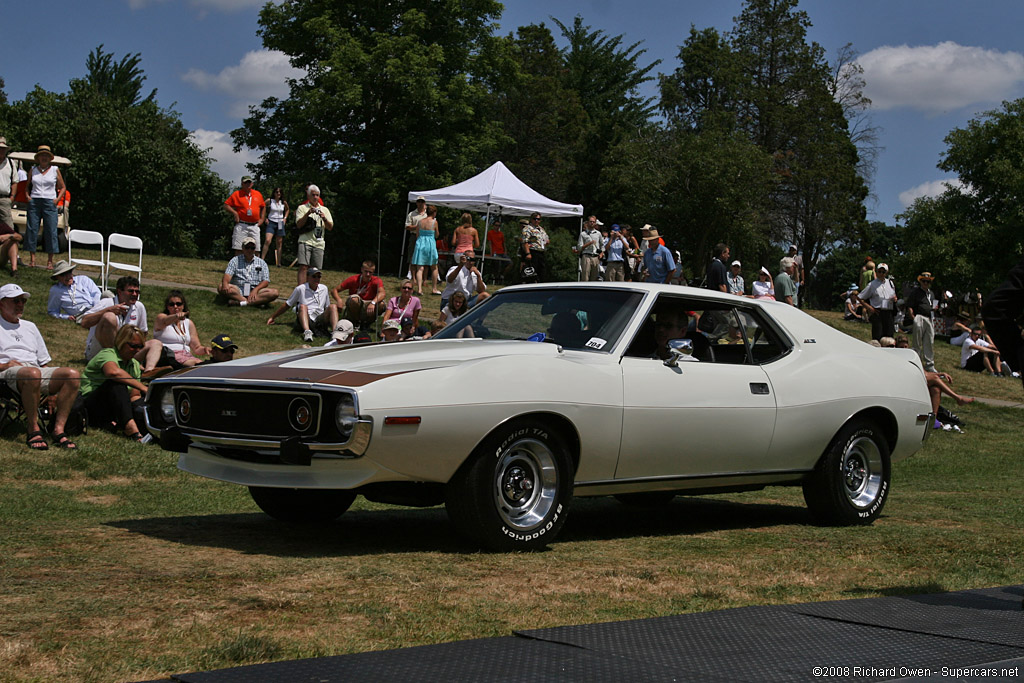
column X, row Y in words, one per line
column 71, row 296
column 311, row 301
column 108, row 316
column 589, row 248
column 23, row 365
column 465, row 278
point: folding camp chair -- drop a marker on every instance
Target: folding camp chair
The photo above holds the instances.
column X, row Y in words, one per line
column 126, row 242
column 90, row 238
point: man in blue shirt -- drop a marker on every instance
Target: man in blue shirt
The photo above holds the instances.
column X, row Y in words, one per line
column 658, row 260
column 71, row 296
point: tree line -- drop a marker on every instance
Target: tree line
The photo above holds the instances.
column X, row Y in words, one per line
column 753, row 138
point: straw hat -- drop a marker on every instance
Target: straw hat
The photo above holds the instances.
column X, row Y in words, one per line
column 44, row 150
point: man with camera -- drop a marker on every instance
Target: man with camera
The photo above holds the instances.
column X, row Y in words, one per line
column 312, row 219
column 465, row 277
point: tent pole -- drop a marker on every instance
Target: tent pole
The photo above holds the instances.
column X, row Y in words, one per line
column 405, row 236
column 380, row 223
column 579, row 255
column 483, row 245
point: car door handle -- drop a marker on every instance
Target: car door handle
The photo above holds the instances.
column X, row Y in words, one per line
column 759, row 388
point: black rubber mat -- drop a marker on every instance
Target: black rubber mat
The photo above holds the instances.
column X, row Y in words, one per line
column 988, row 616
column 871, row 639
column 516, row 660
column 774, row 644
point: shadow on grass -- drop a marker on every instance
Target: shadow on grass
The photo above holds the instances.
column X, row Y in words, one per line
column 1002, row 598
column 401, row 530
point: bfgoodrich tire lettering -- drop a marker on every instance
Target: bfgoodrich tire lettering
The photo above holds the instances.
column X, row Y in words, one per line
column 513, row 492
column 851, row 482
column 302, row 505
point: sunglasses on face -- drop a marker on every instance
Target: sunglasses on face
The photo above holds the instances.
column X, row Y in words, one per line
column 175, row 303
column 136, row 347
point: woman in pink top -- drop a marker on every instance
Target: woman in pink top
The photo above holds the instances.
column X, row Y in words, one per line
column 466, row 237
column 404, row 305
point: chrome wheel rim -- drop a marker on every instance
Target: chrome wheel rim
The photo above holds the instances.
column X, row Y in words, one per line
column 525, row 484
column 862, row 471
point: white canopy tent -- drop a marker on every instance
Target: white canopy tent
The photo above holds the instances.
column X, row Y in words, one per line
column 495, row 190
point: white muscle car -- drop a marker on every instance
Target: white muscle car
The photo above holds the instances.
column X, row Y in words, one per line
column 546, row 392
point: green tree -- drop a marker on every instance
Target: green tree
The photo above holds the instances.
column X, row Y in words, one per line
column 542, row 119
column 135, row 168
column 118, row 81
column 970, row 236
column 606, row 76
column 394, row 98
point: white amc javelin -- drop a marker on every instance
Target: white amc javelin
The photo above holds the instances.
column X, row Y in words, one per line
column 545, row 392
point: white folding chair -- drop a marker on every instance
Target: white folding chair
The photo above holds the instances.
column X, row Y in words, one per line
column 87, row 237
column 129, row 243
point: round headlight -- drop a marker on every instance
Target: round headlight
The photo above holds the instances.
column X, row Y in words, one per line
column 345, row 415
column 167, row 406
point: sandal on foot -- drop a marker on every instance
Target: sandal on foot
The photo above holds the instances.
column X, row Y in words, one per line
column 36, row 440
column 62, row 441
column 137, row 436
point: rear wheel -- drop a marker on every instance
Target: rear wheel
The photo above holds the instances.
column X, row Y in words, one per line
column 851, row 482
column 302, row 505
column 514, row 491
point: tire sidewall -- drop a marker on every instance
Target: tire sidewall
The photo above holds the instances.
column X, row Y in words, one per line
column 850, row 513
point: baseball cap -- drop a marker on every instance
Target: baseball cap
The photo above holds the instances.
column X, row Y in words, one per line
column 247, row 179
column 882, row 266
column 223, row 342
column 313, row 271
column 406, row 321
column 343, row 330
column 12, row 291
column 393, row 324
column 736, row 263
column 247, row 241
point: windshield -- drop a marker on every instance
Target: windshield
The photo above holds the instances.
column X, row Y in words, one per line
column 575, row 318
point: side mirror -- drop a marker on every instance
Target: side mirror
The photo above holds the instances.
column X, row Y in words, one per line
column 678, row 349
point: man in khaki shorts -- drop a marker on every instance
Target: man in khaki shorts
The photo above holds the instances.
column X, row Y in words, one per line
column 23, row 365
column 247, row 207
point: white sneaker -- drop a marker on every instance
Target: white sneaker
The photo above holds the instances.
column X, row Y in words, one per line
column 307, row 336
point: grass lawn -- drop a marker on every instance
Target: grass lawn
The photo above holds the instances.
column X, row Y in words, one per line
column 116, row 566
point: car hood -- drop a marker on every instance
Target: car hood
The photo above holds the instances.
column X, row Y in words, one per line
column 358, row 365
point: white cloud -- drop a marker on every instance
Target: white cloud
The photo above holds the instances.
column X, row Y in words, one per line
column 938, row 78
column 227, row 164
column 260, row 74
column 930, row 189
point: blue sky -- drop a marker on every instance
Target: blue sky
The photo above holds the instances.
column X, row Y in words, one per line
column 931, row 65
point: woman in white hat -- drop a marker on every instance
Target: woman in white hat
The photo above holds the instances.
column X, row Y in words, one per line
column 45, row 190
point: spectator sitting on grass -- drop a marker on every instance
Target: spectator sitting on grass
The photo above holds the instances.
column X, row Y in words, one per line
column 246, row 280
column 343, row 335
column 71, row 296
column 313, row 310
column 366, row 295
column 977, row 354
column 176, row 331
column 390, row 330
column 222, row 349
column 112, row 386
column 108, row 316
column 23, row 365
column 411, row 331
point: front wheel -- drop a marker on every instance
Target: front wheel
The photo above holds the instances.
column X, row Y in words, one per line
column 514, row 491
column 851, row 482
column 306, row 506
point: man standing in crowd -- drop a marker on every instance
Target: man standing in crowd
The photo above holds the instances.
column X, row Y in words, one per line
column 246, row 280
column 716, row 275
column 412, row 226
column 247, row 207
column 879, row 300
column 534, row 244
column 71, row 296
column 311, row 301
column 658, row 259
column 616, row 250
column 465, row 278
column 312, row 220
column 798, row 273
column 365, row 301
column 734, row 279
column 496, row 247
column 10, row 174
column 785, row 288
column 588, row 248
column 23, row 365
column 920, row 308
column 108, row 316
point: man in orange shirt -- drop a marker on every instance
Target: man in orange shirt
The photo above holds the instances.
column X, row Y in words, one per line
column 496, row 247
column 247, row 207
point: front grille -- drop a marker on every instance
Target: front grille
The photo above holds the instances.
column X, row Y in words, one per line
column 247, row 413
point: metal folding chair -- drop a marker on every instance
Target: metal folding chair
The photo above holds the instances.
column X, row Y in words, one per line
column 128, row 243
column 88, row 238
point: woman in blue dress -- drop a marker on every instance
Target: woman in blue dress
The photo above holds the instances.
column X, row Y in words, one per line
column 425, row 252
